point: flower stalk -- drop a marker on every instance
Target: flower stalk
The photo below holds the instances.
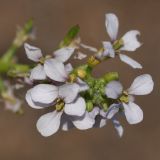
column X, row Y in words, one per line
column 7, row 60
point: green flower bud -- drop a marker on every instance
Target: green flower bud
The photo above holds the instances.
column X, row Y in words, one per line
column 89, row 106
column 70, row 36
column 111, row 76
column 105, row 106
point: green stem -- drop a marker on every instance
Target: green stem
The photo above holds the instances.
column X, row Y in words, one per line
column 6, row 61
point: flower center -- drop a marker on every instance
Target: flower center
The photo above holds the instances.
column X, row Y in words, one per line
column 118, row 44
column 124, row 97
column 59, row 104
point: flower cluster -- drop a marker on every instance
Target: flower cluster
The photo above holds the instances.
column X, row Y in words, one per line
column 77, row 99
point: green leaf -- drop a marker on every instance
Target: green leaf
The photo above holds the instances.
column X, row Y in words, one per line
column 71, row 34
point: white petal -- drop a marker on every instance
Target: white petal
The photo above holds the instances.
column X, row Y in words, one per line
column 33, row 53
column 69, row 92
column 113, row 89
column 112, row 25
column 14, row 107
column 103, row 122
column 82, row 85
column 131, row 98
column 90, row 48
column 84, row 122
column 28, row 81
column 118, row 127
column 133, row 113
column 130, row 41
column 76, row 108
column 30, row 102
column 55, row 70
column 108, row 50
column 113, row 109
column 44, row 93
column 37, row 73
column 142, row 85
column 131, row 62
column 94, row 112
column 63, row 54
column 103, row 113
column 49, row 123
column 68, row 68
column 80, row 56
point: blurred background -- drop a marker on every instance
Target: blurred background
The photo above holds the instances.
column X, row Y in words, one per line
column 19, row 138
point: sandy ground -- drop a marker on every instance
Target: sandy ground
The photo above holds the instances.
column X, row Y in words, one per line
column 18, row 136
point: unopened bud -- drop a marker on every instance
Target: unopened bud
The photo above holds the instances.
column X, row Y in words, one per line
column 81, row 73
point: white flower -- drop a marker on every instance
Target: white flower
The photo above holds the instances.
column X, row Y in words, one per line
column 11, row 102
column 142, row 85
column 53, row 67
column 129, row 40
column 44, row 95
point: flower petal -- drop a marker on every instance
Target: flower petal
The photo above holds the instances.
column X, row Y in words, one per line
column 44, row 93
column 131, row 62
column 133, row 113
column 82, row 85
column 69, row 92
column 131, row 98
column 108, row 50
column 84, row 122
column 90, row 48
column 142, row 85
column 130, row 41
column 113, row 109
column 118, row 127
column 49, row 123
column 102, row 123
column 64, row 54
column 112, row 25
column 76, row 108
column 55, row 70
column 79, row 55
column 37, row 73
column 33, row 53
column 14, row 107
column 30, row 102
column 94, row 112
column 113, row 89
column 68, row 68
